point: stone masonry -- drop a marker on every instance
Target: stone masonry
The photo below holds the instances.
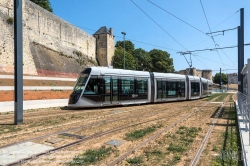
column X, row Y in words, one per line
column 105, row 46
column 196, row 72
column 44, row 28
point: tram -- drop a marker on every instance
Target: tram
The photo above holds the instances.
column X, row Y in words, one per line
column 103, row 86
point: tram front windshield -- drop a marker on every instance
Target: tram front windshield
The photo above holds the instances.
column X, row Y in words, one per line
column 81, row 83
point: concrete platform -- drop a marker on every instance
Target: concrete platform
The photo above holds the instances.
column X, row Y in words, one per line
column 244, row 137
column 34, row 104
column 17, row 152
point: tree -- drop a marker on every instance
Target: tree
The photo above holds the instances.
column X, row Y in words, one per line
column 129, row 46
column 143, row 60
column 161, row 61
column 44, row 4
column 117, row 60
column 216, row 78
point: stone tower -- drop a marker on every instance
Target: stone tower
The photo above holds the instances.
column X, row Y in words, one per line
column 104, row 46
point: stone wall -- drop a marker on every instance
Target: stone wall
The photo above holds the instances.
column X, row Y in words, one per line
column 44, row 28
column 102, row 51
column 207, row 74
column 196, row 72
column 111, row 47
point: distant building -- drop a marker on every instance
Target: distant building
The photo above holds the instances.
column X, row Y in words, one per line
column 244, row 73
column 104, row 46
column 196, row 72
column 232, row 78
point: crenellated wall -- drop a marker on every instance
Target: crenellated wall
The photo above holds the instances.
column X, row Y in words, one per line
column 46, row 29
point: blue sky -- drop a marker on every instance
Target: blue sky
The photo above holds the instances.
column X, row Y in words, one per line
column 163, row 31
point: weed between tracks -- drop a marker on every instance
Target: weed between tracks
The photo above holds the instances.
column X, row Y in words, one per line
column 217, row 96
column 9, row 128
column 169, row 149
column 213, row 96
column 93, row 156
column 221, row 97
column 141, row 133
column 54, row 120
column 230, row 152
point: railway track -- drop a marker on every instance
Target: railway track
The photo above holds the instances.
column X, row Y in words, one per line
column 207, row 136
column 93, row 136
column 31, row 115
column 106, row 113
column 102, row 116
column 153, row 137
column 90, row 137
column 173, row 113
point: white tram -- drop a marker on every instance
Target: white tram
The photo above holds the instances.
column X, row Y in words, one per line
column 102, row 86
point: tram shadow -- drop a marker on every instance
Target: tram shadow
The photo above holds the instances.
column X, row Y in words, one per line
column 66, row 108
column 224, row 114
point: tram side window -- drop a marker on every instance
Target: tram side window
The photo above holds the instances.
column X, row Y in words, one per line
column 164, row 89
column 92, row 86
column 159, row 89
column 142, row 85
column 182, row 85
column 210, row 88
column 127, row 85
column 171, row 87
column 205, row 90
column 195, row 87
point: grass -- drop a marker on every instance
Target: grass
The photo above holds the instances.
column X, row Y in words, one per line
column 169, row 150
column 184, row 136
column 135, row 161
column 218, row 97
column 140, row 133
column 10, row 20
column 214, row 95
column 91, row 157
column 9, row 128
column 176, row 148
column 51, row 121
column 231, row 98
column 230, row 151
column 221, row 97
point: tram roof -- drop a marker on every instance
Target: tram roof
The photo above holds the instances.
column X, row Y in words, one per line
column 119, row 72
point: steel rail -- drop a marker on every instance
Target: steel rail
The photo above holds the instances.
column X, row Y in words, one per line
column 74, row 128
column 198, row 154
column 93, row 136
column 83, row 126
column 153, row 137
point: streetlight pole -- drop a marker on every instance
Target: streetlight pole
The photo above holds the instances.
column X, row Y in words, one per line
column 123, row 49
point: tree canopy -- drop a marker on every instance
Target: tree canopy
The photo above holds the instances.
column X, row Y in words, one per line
column 139, row 59
column 118, row 60
column 161, row 61
column 44, row 4
column 129, row 46
column 216, row 78
column 143, row 60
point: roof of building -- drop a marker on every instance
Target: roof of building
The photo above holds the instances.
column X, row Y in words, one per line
column 102, row 30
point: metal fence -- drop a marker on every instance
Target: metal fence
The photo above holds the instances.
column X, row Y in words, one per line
column 244, row 108
column 244, row 111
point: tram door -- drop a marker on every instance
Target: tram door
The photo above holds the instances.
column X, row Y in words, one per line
column 114, row 90
column 110, row 94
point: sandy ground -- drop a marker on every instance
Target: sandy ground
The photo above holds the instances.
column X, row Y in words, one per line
column 91, row 121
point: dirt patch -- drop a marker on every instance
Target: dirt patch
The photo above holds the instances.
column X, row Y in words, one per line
column 36, row 95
